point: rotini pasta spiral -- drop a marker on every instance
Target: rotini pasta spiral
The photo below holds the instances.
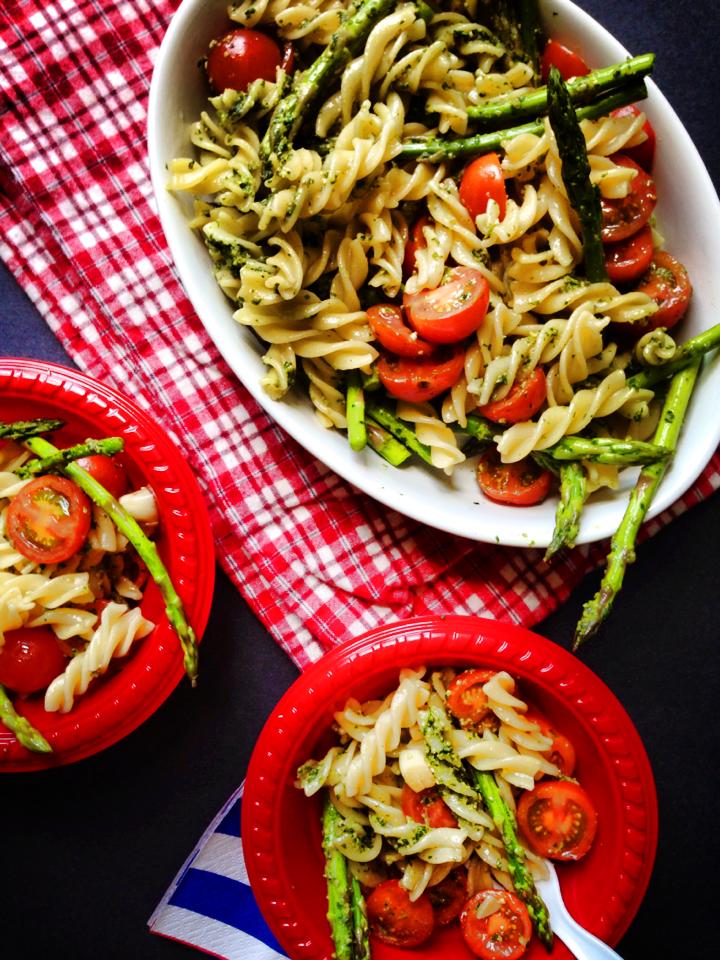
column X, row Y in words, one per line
column 314, row 218
column 387, row 829
column 118, row 629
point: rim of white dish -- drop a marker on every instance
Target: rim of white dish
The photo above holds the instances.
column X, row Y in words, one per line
column 453, row 506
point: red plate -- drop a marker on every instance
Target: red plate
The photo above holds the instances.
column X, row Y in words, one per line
column 116, row 704
column 281, row 827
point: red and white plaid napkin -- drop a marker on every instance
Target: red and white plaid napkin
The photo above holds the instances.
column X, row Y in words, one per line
column 317, row 560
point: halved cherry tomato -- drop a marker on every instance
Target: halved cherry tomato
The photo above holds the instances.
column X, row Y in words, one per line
column 629, row 259
column 453, row 310
column 240, row 57
column 496, row 924
column 644, row 153
column 483, row 181
column 426, row 806
column 448, row 897
column 520, row 484
column 48, row 520
column 465, row 698
column 625, row 216
column 668, row 283
column 522, row 402
column 421, row 379
column 388, row 324
column 562, row 752
column 30, row 659
column 108, row 472
column 569, row 63
column 558, row 819
column 415, row 242
column 396, row 919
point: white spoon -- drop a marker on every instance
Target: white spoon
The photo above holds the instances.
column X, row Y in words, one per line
column 585, row 945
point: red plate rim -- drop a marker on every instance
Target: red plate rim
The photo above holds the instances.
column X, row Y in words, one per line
column 117, row 705
column 566, row 690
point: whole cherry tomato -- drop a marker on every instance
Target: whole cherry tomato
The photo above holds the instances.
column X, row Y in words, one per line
column 108, row 471
column 483, row 181
column 30, row 659
column 240, row 57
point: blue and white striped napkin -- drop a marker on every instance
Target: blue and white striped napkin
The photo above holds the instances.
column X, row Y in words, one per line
column 209, row 904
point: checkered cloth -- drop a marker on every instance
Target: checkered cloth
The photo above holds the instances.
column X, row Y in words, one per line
column 316, row 560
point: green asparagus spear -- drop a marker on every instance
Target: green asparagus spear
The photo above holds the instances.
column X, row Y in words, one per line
column 107, row 446
column 386, row 445
column 685, row 354
column 436, row 148
column 621, row 453
column 361, row 930
column 573, row 491
column 355, row 411
column 480, row 429
column 580, row 89
column 584, row 197
column 339, row 888
column 622, row 544
column 146, row 550
column 504, row 820
column 24, row 731
column 290, row 111
column 383, row 415
column 27, row 428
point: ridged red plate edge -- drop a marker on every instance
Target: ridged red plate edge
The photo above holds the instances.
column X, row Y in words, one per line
column 280, row 830
column 116, row 705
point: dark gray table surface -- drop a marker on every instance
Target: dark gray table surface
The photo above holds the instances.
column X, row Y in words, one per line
column 88, row 850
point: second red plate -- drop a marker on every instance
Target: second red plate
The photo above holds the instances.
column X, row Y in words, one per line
column 281, row 827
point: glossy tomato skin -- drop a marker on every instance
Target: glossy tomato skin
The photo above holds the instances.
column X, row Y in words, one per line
column 569, row 63
column 623, row 217
column 426, row 806
column 503, row 934
column 397, row 920
column 562, row 752
column 30, row 659
column 108, row 471
column 668, row 283
column 388, row 324
column 483, row 181
column 415, row 242
column 520, row 484
column 628, row 259
column 452, row 311
column 524, row 399
column 448, row 897
column 466, row 700
column 48, row 520
column 558, row 819
column 240, row 57
column 423, row 379
column 644, row 153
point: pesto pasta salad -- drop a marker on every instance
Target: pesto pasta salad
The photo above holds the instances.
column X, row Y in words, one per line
column 441, row 801
column 440, row 226
column 76, row 553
